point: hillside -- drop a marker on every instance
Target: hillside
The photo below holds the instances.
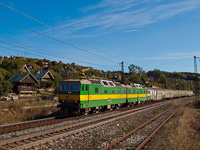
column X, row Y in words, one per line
column 61, row 71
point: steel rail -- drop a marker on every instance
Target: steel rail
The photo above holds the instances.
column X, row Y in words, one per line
column 43, row 137
column 28, row 124
column 154, row 132
column 40, row 122
column 4, row 129
column 135, row 130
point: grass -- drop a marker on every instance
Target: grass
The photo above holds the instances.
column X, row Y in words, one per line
column 182, row 132
column 15, row 111
column 19, row 104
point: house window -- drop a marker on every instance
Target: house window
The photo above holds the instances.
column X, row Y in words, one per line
column 24, row 85
column 96, row 90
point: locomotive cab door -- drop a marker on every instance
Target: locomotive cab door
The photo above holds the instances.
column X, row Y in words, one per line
column 86, row 94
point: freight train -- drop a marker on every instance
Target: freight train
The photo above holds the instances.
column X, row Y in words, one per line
column 93, row 95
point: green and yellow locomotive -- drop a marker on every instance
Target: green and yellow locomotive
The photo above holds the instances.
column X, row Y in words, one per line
column 87, row 95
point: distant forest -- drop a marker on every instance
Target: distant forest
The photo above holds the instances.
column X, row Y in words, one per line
column 61, row 71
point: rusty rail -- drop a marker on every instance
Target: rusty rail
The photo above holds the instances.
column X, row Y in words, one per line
column 42, row 137
column 136, row 129
column 4, row 129
column 154, row 132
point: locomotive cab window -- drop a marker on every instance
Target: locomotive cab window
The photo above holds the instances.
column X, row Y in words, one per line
column 75, row 87
column 64, row 87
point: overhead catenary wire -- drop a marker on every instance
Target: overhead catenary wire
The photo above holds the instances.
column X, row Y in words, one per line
column 56, row 39
column 19, row 51
column 54, row 29
column 51, row 54
column 42, row 51
column 41, row 56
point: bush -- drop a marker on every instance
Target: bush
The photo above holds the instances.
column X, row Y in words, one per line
column 5, row 87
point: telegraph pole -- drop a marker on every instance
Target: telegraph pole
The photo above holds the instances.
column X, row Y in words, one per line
column 122, row 71
column 195, row 64
column 196, row 80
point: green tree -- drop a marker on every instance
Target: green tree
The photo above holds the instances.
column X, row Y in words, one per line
column 56, row 83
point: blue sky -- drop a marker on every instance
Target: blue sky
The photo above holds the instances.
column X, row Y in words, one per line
column 152, row 34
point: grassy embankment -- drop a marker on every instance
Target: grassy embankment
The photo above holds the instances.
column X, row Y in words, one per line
column 13, row 112
column 182, row 132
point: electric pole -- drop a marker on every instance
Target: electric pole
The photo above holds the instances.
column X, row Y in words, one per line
column 122, row 72
column 196, row 80
column 195, row 64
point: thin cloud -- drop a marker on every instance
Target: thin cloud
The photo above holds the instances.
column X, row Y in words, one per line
column 116, row 16
column 173, row 56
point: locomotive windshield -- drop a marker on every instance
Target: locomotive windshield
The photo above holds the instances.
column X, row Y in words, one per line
column 64, row 87
column 68, row 87
column 75, row 87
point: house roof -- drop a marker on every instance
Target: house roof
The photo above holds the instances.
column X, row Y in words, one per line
column 42, row 74
column 20, row 77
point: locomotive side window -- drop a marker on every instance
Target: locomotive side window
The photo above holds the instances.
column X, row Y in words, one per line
column 96, row 90
column 86, row 88
column 129, row 91
column 105, row 91
column 64, row 87
column 82, row 87
column 75, row 87
column 113, row 91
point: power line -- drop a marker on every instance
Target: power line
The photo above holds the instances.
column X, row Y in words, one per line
column 18, row 51
column 55, row 29
column 51, row 54
column 173, row 61
column 56, row 39
column 41, row 56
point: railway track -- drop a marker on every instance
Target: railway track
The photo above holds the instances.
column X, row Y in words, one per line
column 45, row 138
column 115, row 144
column 4, row 129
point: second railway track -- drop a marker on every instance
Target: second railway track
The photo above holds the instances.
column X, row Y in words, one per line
column 4, row 129
column 45, row 137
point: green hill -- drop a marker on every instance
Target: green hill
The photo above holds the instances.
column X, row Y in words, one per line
column 61, row 71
